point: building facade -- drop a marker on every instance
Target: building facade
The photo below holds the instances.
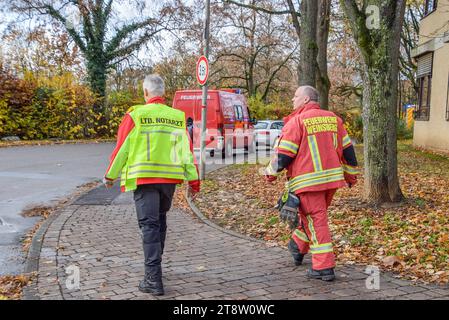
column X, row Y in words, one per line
column 431, row 130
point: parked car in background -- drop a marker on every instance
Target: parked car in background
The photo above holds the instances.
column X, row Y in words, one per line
column 267, row 132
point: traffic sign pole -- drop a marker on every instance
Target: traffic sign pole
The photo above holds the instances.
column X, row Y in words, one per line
column 204, row 100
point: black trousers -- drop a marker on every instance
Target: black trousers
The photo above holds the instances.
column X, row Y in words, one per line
column 153, row 201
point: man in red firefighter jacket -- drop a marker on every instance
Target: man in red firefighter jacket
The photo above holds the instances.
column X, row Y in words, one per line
column 319, row 157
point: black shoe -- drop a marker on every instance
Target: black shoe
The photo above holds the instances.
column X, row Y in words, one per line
column 297, row 256
column 154, row 287
column 325, row 275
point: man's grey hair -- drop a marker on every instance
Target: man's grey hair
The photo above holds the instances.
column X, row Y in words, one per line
column 311, row 92
column 154, row 85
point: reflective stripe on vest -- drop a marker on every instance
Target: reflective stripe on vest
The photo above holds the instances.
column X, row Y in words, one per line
column 158, row 146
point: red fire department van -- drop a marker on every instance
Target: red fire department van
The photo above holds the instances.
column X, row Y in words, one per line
column 229, row 125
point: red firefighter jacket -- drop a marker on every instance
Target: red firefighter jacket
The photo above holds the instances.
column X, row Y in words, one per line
column 314, row 141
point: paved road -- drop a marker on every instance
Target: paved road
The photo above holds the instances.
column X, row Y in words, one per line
column 42, row 175
column 103, row 243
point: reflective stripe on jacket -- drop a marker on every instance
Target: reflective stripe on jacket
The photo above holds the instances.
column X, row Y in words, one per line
column 315, row 138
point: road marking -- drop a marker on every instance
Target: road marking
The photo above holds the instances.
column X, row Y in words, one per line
column 30, row 175
column 6, row 227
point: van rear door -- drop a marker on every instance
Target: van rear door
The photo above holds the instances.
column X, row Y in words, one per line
column 190, row 102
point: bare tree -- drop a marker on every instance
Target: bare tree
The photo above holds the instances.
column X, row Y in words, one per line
column 255, row 52
column 311, row 25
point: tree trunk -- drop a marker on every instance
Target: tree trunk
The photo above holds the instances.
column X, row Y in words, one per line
column 323, row 82
column 380, row 53
column 376, row 99
column 394, row 44
column 97, row 76
column 308, row 42
column 380, row 146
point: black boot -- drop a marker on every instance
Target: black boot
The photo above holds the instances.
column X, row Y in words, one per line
column 297, row 256
column 325, row 275
column 152, row 285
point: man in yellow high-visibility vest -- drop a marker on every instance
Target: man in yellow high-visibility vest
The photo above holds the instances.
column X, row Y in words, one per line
column 153, row 155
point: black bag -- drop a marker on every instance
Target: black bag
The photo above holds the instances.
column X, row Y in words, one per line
column 288, row 205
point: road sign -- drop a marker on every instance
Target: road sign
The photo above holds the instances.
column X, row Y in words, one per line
column 202, row 70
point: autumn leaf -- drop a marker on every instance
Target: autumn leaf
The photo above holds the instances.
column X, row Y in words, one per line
column 391, row 261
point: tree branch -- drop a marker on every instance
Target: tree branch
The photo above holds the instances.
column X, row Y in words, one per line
column 71, row 31
column 270, row 80
column 125, row 31
column 295, row 19
column 261, row 9
column 357, row 21
column 130, row 47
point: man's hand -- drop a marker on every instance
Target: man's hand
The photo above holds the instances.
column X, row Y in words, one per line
column 108, row 183
column 194, row 188
column 270, row 179
column 351, row 180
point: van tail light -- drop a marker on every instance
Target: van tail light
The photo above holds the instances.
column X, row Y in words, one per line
column 266, row 133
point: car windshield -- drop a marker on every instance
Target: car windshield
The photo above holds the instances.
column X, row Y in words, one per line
column 277, row 125
column 261, row 125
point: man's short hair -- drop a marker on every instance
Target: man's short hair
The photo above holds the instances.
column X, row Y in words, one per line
column 311, row 92
column 154, row 85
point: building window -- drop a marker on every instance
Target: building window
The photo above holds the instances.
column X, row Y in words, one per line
column 430, row 6
column 238, row 113
column 447, row 101
column 424, row 74
column 425, row 85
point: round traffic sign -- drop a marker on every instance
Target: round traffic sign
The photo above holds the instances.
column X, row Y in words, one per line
column 202, row 70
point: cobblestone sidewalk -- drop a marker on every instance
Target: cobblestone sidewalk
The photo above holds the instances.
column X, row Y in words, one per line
column 201, row 262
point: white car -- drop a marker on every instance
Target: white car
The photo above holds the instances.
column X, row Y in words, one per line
column 267, row 132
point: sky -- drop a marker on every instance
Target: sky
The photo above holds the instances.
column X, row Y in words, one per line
column 124, row 12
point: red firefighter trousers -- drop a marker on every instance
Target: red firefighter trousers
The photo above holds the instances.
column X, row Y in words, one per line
column 313, row 233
